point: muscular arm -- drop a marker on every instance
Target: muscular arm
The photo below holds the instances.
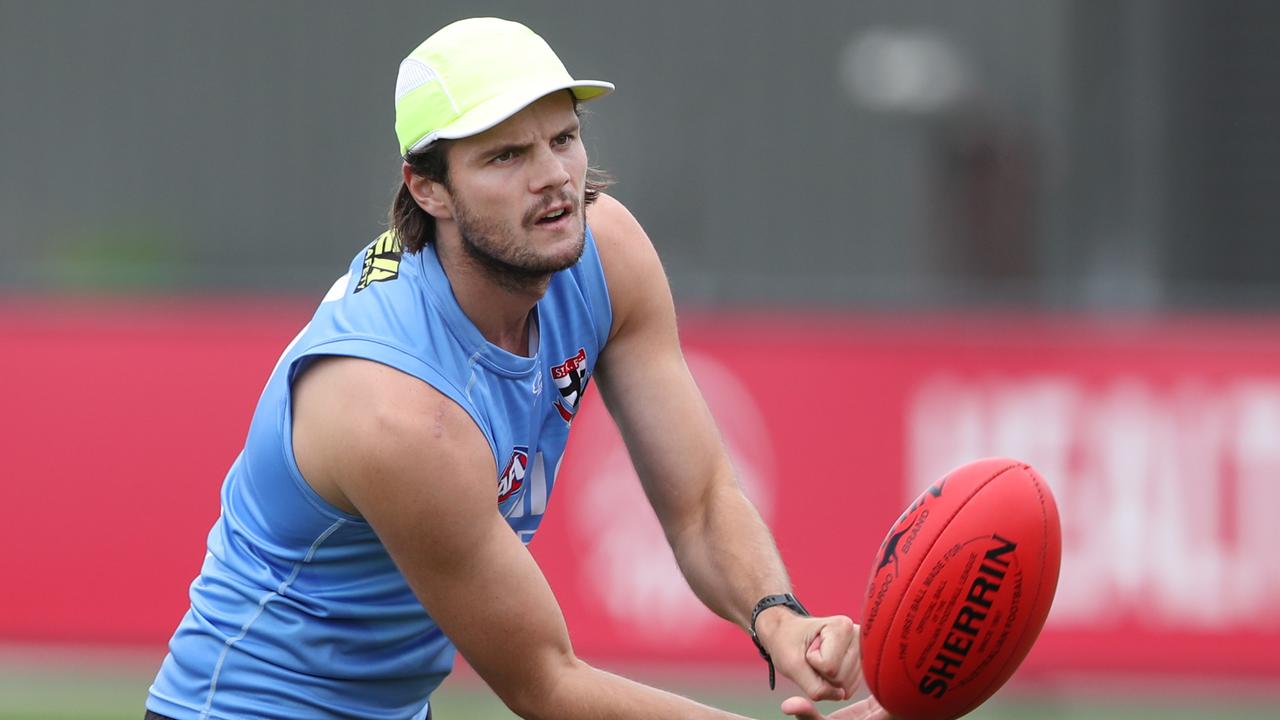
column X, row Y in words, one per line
column 720, row 541
column 411, row 462
column 722, row 545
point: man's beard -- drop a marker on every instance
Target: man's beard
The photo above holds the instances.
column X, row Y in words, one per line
column 497, row 250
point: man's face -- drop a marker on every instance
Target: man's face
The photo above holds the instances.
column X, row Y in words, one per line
column 517, row 191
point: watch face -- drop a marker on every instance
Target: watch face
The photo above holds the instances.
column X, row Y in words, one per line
column 797, row 606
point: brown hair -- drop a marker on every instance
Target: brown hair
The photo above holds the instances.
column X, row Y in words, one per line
column 415, row 228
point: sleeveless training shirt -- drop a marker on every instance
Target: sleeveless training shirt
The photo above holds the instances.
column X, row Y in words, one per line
column 298, row 610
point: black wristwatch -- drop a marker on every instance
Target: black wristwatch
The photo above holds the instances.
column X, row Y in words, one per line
column 786, row 600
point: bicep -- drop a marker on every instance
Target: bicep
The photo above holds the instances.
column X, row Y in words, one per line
column 477, row 580
column 415, row 466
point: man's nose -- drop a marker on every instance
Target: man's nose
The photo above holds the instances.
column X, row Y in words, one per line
column 547, row 171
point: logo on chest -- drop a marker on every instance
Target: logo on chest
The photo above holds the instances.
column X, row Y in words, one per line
column 571, row 380
column 511, row 479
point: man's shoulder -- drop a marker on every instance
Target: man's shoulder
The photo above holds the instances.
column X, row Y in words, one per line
column 620, row 239
column 369, row 439
column 632, row 269
column 363, row 413
column 610, row 219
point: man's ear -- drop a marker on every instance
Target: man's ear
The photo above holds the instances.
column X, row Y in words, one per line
column 432, row 196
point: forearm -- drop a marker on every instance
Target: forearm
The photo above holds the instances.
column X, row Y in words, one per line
column 581, row 691
column 728, row 555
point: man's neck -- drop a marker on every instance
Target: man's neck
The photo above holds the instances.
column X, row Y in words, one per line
column 499, row 310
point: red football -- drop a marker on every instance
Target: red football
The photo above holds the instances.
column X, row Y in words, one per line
column 960, row 589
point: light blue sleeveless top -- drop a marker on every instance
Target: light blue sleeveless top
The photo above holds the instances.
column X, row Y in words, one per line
column 298, row 611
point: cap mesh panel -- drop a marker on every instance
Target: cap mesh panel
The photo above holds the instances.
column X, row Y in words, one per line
column 413, row 75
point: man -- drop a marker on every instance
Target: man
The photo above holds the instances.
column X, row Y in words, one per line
column 360, row 541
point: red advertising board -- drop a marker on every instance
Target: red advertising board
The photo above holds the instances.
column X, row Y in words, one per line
column 1160, row 438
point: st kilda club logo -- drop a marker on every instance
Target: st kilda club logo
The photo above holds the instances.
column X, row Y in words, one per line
column 571, row 380
column 512, row 477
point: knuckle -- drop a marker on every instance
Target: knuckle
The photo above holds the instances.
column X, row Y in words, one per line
column 842, row 626
column 827, row 666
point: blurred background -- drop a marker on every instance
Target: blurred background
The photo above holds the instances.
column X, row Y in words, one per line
column 902, row 235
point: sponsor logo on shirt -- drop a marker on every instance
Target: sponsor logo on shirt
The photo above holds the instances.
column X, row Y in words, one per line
column 381, row 261
column 511, row 479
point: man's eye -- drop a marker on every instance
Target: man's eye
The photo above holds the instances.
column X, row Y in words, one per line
column 504, row 157
column 564, row 139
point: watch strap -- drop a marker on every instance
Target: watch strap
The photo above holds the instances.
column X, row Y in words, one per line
column 786, row 600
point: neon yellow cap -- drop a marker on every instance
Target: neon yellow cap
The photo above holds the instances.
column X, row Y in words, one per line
column 473, row 74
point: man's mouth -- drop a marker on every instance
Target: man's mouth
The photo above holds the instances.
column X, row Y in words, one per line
column 556, row 214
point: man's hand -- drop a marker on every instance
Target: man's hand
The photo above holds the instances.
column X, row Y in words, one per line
column 804, row 709
column 820, row 654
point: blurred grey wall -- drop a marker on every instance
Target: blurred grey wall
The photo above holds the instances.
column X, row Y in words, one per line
column 1110, row 153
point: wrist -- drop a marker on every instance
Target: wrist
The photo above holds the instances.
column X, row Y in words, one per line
column 766, row 616
column 768, row 621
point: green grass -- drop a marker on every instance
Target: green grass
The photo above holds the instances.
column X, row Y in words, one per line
column 102, row 689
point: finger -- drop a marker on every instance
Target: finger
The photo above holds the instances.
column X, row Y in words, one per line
column 868, row 709
column 814, row 657
column 823, row 690
column 829, row 655
column 814, row 686
column 834, row 651
column 849, row 676
column 817, row 687
column 801, row 708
